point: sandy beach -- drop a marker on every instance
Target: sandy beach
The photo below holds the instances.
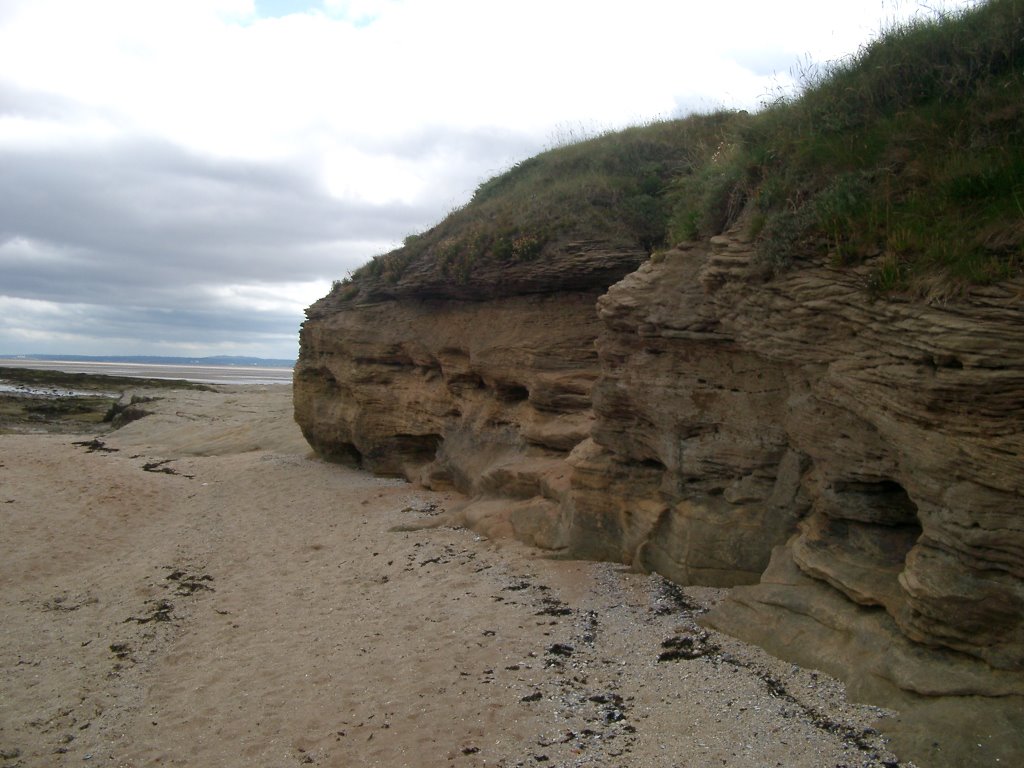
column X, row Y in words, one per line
column 197, row 589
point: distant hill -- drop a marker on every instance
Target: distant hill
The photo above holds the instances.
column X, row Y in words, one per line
column 227, row 360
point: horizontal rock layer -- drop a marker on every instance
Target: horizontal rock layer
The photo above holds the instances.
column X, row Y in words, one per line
column 886, row 435
column 487, row 398
column 582, row 266
column 484, row 386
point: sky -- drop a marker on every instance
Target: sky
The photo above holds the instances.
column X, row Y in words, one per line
column 184, row 177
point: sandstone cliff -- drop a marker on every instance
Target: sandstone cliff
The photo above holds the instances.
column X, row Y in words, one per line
column 856, row 461
column 887, row 433
column 816, row 400
column 487, row 397
column 861, row 459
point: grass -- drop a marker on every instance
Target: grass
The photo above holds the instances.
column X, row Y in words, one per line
column 908, row 156
column 610, row 188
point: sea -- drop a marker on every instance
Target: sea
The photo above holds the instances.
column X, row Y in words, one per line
column 200, row 374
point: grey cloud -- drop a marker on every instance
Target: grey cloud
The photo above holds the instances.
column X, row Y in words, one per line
column 183, row 218
column 477, row 146
column 765, row 62
column 143, row 232
column 20, row 102
column 144, row 330
column 148, row 216
column 471, row 156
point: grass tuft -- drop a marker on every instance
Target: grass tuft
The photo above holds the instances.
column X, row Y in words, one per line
column 910, row 152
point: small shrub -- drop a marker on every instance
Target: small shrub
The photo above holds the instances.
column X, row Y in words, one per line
column 889, row 275
column 526, row 247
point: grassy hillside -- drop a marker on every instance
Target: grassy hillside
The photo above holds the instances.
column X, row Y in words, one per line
column 611, row 187
column 908, row 154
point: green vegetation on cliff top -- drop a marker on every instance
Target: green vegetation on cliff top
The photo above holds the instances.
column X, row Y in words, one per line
column 908, row 155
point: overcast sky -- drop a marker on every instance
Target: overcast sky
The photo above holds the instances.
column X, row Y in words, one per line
column 183, row 177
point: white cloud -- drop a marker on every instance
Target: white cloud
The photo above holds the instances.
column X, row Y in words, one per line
column 381, row 179
column 361, row 12
column 282, row 297
column 189, row 73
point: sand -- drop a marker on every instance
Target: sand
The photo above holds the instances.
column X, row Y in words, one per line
column 241, row 603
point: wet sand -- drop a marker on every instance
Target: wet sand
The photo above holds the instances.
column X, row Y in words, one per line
column 196, row 589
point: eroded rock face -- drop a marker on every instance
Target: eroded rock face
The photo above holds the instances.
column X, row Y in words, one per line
column 884, row 435
column 394, row 386
column 691, row 424
column 488, row 397
column 857, row 462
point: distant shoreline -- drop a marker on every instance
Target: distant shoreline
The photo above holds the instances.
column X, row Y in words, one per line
column 210, row 360
column 198, row 373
